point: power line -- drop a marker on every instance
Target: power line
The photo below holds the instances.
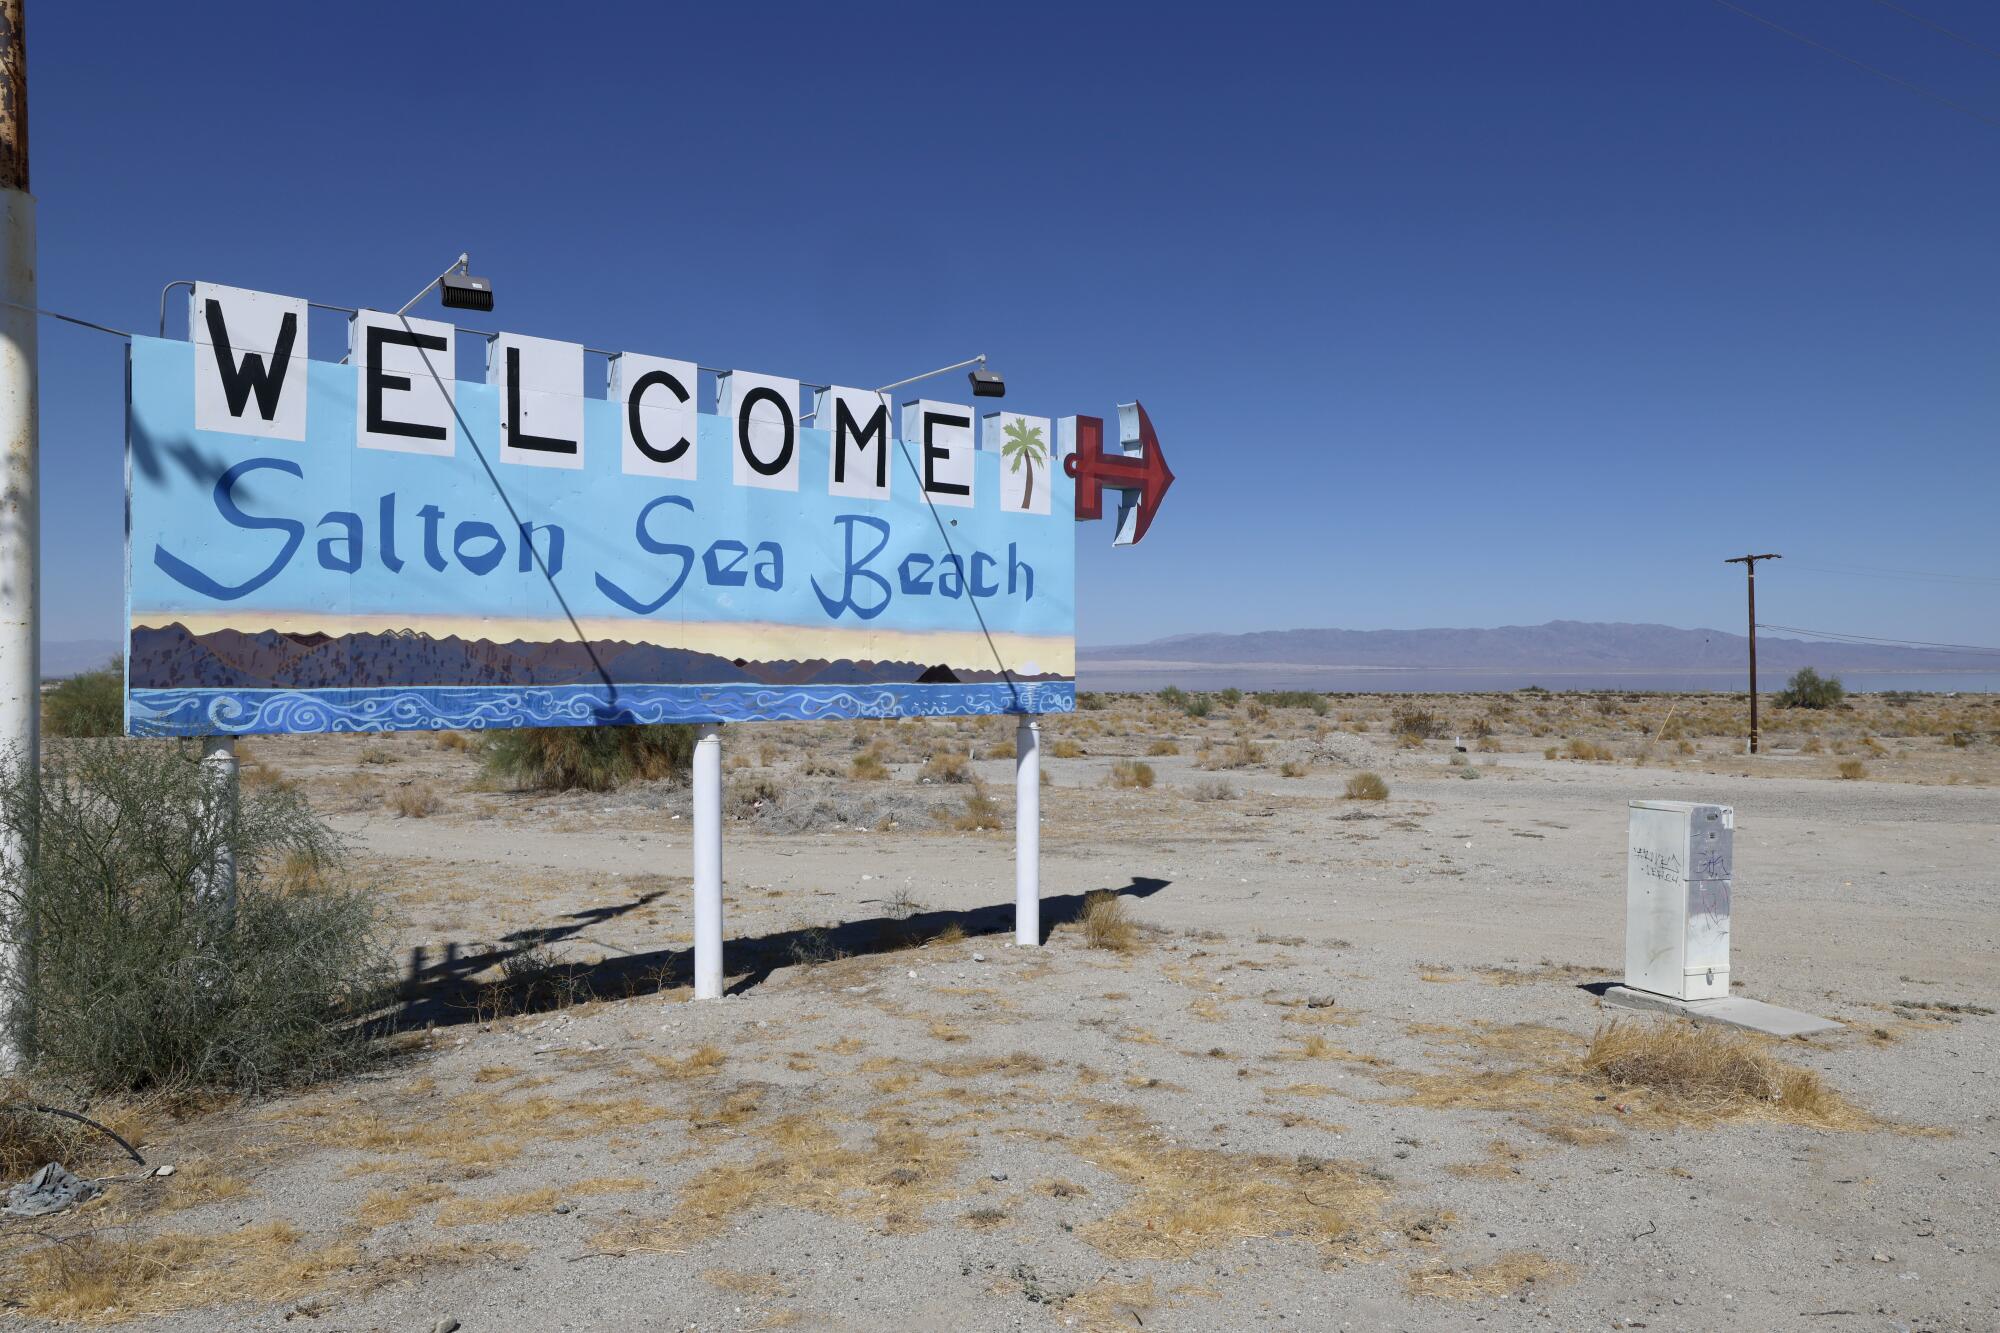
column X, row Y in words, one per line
column 1920, row 91
column 1918, row 574
column 1939, row 27
column 1873, row 638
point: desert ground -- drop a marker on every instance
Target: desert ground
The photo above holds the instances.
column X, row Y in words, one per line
column 1308, row 1060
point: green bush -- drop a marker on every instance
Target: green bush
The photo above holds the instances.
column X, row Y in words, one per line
column 1231, row 696
column 1808, row 689
column 90, row 704
column 590, row 758
column 1174, row 695
column 141, row 978
column 1199, row 705
column 1295, row 699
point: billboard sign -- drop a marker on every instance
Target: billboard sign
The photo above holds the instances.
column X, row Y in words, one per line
column 374, row 544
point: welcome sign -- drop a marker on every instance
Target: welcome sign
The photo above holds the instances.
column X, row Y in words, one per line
column 374, row 544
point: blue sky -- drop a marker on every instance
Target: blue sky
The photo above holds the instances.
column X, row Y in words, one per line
column 1447, row 314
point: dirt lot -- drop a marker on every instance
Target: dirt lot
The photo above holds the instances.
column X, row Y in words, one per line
column 1335, row 1069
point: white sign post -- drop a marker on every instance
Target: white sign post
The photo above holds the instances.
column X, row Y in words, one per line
column 708, row 862
column 1028, row 831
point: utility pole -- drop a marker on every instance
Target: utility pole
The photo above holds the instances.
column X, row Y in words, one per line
column 20, row 507
column 1749, row 563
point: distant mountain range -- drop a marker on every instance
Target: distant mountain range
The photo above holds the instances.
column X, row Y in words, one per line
column 1565, row 646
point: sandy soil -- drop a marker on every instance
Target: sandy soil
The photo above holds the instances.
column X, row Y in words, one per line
column 1334, row 1083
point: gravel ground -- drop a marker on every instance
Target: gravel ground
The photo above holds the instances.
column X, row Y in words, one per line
column 962, row 1134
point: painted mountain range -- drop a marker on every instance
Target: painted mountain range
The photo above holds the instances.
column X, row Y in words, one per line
column 171, row 657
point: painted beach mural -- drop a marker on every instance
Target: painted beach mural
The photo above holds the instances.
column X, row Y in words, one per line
column 374, row 544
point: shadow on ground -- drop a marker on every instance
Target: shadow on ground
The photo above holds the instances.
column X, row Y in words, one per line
column 444, row 991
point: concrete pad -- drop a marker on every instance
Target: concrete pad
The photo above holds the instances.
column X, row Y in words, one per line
column 1732, row 1011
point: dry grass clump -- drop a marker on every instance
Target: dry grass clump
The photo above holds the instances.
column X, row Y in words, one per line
column 1851, row 769
column 1212, row 789
column 1502, row 1276
column 981, row 814
column 1366, row 787
column 1655, row 1075
column 1186, row 1200
column 1710, row 1073
column 414, row 801
column 528, row 1203
column 808, row 1164
column 1106, row 923
column 946, row 766
column 1130, row 773
column 1588, row 752
column 1294, row 768
column 1062, row 747
column 1163, row 747
column 107, row 1277
column 868, row 766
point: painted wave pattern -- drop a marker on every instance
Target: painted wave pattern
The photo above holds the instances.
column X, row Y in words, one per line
column 244, row 712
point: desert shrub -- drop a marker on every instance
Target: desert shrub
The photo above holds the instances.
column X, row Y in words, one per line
column 1090, row 701
column 1239, row 753
column 1000, row 750
column 590, row 758
column 1199, row 706
column 415, row 801
column 1367, row 787
column 1131, row 773
column 1231, row 696
column 454, row 740
column 1295, row 699
column 1588, row 751
column 1163, row 747
column 1174, row 696
column 1487, row 745
column 1415, row 722
column 1851, row 769
column 946, row 766
column 1212, row 789
column 1294, row 768
column 1064, row 748
column 1106, row 923
column 1808, row 689
column 868, row 766
column 141, row 977
column 89, row 704
column 981, row 814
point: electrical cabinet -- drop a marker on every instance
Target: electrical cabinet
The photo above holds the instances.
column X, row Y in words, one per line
column 1679, row 862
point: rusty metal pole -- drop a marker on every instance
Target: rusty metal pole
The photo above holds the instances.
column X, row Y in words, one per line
column 20, row 516
column 1749, row 563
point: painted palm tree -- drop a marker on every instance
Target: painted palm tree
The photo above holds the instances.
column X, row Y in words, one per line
column 1025, row 445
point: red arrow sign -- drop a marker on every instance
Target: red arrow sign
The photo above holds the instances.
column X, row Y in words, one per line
column 1096, row 471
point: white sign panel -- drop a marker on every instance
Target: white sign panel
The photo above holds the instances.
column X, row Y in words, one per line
column 1027, row 451
column 656, row 404
column 541, row 399
column 860, row 459
column 940, row 436
column 409, row 377
column 250, row 361
column 764, row 414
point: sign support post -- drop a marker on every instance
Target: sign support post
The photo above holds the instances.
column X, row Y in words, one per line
column 708, row 862
column 219, row 778
column 1028, row 831
column 20, row 504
